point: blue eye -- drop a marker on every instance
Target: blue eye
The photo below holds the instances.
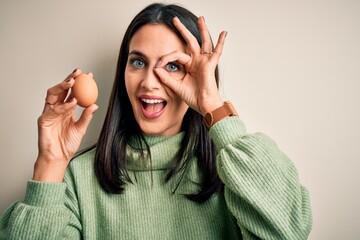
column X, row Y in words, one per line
column 172, row 67
column 137, row 63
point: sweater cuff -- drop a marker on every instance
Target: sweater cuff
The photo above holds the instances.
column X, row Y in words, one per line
column 44, row 194
column 227, row 131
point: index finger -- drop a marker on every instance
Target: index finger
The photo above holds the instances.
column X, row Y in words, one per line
column 58, row 92
column 187, row 35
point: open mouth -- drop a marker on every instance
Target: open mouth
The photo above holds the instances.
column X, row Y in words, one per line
column 152, row 108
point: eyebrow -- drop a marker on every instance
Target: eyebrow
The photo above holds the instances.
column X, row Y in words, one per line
column 138, row 53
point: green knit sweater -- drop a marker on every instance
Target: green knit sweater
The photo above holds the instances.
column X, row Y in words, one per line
column 262, row 198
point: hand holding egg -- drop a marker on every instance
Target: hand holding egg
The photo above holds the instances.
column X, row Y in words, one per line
column 60, row 133
column 85, row 90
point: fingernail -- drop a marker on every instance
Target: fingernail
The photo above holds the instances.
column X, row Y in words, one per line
column 203, row 18
column 97, row 107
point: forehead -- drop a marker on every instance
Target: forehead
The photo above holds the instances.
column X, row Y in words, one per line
column 156, row 39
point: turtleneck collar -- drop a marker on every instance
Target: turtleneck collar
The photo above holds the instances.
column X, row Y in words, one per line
column 163, row 149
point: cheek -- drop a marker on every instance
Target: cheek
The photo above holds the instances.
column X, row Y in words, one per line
column 129, row 84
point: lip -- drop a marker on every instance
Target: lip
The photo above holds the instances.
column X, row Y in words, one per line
column 145, row 113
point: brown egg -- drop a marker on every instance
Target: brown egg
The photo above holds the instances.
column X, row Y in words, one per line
column 85, row 90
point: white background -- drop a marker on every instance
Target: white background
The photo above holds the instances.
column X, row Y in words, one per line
column 292, row 69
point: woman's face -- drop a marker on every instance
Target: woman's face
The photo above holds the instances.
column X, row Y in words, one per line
column 157, row 109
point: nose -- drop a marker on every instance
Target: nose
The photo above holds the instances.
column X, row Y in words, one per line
column 151, row 80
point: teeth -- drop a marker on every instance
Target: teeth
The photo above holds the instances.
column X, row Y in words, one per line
column 152, row 101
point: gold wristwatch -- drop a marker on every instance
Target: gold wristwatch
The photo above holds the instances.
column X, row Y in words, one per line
column 222, row 112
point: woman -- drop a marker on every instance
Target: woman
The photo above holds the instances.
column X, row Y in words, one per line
column 173, row 161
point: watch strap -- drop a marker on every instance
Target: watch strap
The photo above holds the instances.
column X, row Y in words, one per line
column 226, row 110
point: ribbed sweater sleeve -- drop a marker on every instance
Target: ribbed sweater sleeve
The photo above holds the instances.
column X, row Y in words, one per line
column 45, row 214
column 262, row 188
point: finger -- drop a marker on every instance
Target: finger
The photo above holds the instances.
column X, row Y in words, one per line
column 58, row 92
column 85, row 118
column 167, row 79
column 176, row 56
column 220, row 44
column 191, row 41
column 59, row 109
column 205, row 36
column 74, row 74
column 90, row 74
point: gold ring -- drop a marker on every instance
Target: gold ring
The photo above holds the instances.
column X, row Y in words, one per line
column 210, row 53
column 47, row 102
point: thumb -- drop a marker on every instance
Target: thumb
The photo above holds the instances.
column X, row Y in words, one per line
column 166, row 79
column 85, row 118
